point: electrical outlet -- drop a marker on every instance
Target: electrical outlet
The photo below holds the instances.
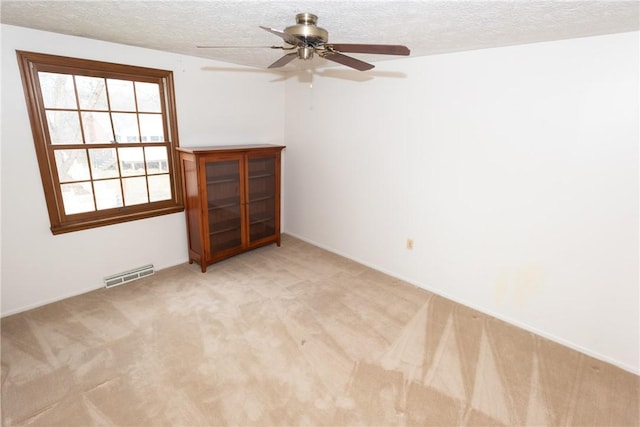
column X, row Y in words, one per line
column 410, row 244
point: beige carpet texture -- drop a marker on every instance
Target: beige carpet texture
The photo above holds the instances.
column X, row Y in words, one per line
column 293, row 336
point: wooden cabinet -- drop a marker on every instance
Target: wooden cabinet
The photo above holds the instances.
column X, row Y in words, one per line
column 232, row 199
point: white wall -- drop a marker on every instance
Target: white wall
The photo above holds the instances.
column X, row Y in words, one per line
column 515, row 171
column 214, row 107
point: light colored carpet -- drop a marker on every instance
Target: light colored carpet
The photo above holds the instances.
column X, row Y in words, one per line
column 292, row 336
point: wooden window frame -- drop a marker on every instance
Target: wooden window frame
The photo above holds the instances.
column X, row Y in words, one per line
column 30, row 64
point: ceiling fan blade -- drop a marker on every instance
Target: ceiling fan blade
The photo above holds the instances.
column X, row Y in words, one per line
column 237, row 47
column 348, row 61
column 284, row 60
column 379, row 49
column 292, row 40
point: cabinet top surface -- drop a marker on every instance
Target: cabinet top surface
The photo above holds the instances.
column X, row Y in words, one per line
column 214, row 148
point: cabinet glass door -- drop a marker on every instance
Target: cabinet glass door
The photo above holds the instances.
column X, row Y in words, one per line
column 224, row 205
column 262, row 197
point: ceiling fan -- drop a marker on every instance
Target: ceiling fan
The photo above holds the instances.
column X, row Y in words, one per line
column 306, row 39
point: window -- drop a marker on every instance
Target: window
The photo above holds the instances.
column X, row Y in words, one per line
column 104, row 136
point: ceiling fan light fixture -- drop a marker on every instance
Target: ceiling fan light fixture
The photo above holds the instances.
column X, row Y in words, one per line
column 305, row 53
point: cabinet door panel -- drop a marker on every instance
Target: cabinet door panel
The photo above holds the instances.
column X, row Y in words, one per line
column 224, row 204
column 262, row 197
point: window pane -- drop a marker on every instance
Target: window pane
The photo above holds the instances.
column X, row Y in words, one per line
column 151, row 127
column 64, row 127
column 157, row 160
column 108, row 194
column 159, row 187
column 131, row 161
column 57, row 90
column 126, row 127
column 148, row 95
column 135, row 191
column 92, row 93
column 72, row 165
column 121, row 95
column 97, row 127
column 104, row 163
column 77, row 197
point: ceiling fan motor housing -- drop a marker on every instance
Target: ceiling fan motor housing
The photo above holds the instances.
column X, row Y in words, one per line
column 306, row 30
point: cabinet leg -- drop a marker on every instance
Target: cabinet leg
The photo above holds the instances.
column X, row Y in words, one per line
column 204, row 267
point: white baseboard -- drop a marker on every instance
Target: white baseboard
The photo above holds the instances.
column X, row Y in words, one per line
column 521, row 325
column 49, row 301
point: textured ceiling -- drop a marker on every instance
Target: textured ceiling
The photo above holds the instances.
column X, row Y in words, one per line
column 427, row 27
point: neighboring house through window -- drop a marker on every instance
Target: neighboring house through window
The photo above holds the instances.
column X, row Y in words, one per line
column 104, row 136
